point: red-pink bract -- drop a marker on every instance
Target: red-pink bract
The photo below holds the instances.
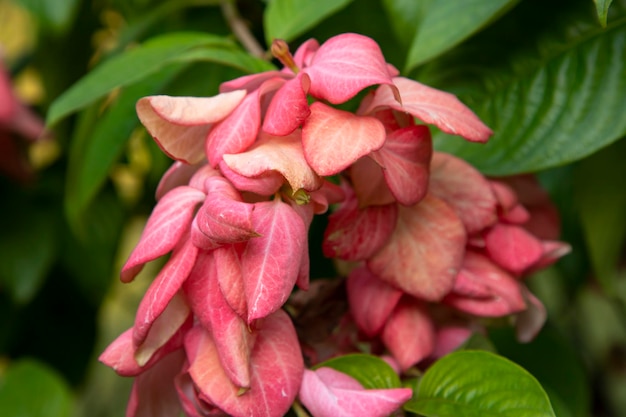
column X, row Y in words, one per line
column 425, row 251
column 271, row 262
column 276, row 369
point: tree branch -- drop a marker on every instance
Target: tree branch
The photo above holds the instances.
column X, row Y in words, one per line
column 241, row 30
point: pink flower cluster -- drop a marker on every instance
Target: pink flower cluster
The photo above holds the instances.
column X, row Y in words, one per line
column 252, row 170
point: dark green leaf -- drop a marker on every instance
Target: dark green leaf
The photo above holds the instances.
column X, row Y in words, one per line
column 52, row 15
column 286, row 19
column 128, row 68
column 552, row 96
column 477, row 341
column 553, row 361
column 27, row 250
column 403, row 16
column 32, row 389
column 479, row 384
column 89, row 255
column 444, row 24
column 371, row 371
column 602, row 7
column 601, row 202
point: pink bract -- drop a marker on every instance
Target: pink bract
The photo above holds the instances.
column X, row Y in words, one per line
column 329, row 393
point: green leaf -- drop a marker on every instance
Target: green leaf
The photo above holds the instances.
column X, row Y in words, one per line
column 55, row 16
column 286, row 19
column 128, row 68
column 445, row 24
column 478, row 341
column 91, row 157
column 556, row 365
column 90, row 256
column 231, row 57
column 27, row 250
column 602, row 7
column 601, row 202
column 552, row 96
column 32, row 389
column 403, row 15
column 371, row 371
column 479, row 384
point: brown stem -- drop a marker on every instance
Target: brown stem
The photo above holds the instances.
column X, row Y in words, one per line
column 241, row 30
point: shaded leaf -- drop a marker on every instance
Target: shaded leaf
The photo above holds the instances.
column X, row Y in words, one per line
column 54, row 16
column 479, row 383
column 602, row 7
column 371, row 371
column 30, row 388
column 402, row 15
column 444, row 24
column 601, row 207
column 286, row 19
column 27, row 250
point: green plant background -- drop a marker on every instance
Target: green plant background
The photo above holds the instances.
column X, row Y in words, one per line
column 548, row 77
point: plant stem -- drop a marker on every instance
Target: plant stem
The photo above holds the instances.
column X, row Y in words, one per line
column 241, row 30
column 299, row 410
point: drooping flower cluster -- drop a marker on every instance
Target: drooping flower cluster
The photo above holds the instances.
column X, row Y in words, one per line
column 428, row 231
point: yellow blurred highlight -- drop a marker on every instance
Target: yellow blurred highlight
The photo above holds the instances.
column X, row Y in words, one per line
column 128, row 178
column 106, row 39
column 17, row 30
column 43, row 153
column 28, row 86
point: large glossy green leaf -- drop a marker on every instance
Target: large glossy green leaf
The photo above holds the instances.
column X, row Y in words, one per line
column 286, row 19
column 371, row 371
column 32, row 389
column 552, row 95
column 479, row 384
column 601, row 202
column 444, row 24
column 128, row 68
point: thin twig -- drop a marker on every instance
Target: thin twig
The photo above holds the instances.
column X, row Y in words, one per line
column 299, row 410
column 241, row 30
